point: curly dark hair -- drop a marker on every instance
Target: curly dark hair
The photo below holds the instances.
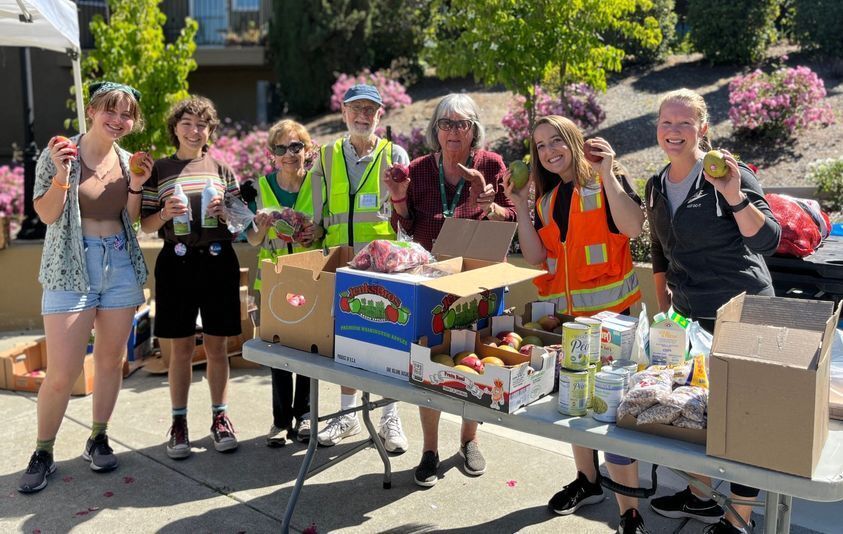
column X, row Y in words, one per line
column 195, row 105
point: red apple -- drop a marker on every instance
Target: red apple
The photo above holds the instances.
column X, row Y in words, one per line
column 526, row 349
column 398, row 173
column 588, row 151
column 135, row 163
column 549, row 322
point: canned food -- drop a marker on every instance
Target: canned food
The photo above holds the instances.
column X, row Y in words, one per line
column 624, row 374
column 594, row 326
column 573, row 392
column 575, row 342
column 592, row 371
column 629, row 365
column 608, row 392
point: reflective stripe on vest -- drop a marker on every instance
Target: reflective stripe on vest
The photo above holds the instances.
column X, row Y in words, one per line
column 366, row 224
column 605, row 297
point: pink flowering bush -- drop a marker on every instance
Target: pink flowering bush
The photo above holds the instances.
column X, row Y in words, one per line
column 580, row 105
column 780, row 103
column 394, row 94
column 11, row 191
column 414, row 143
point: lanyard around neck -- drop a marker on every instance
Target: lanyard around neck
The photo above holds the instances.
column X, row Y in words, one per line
column 448, row 210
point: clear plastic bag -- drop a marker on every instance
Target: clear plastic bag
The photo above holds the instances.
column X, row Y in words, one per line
column 387, row 256
column 659, row 414
column 238, row 216
column 288, row 223
column 649, row 386
column 684, row 422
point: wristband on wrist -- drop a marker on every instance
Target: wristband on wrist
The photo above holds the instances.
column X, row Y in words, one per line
column 60, row 185
column 135, row 191
column 740, row 205
column 399, row 200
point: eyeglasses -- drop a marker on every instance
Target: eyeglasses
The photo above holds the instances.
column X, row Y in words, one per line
column 363, row 110
column 294, row 148
column 461, row 126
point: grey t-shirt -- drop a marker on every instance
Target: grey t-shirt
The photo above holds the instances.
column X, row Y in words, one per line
column 356, row 166
column 678, row 192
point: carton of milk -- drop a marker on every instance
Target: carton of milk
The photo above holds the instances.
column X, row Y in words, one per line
column 669, row 339
column 617, row 336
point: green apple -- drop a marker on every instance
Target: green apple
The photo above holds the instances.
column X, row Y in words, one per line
column 714, row 164
column 519, row 174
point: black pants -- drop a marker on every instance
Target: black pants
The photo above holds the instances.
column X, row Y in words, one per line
column 738, row 489
column 284, row 406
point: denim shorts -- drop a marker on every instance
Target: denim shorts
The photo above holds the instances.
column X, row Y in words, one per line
column 113, row 284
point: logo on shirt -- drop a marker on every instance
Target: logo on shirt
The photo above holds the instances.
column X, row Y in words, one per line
column 693, row 201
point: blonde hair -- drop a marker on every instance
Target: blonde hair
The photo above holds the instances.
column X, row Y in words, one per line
column 696, row 102
column 109, row 100
column 571, row 134
column 285, row 127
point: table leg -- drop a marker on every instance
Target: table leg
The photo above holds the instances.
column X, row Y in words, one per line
column 771, row 513
column 784, row 518
column 376, row 441
column 308, row 457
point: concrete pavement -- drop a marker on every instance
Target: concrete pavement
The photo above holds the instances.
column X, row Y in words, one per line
column 247, row 491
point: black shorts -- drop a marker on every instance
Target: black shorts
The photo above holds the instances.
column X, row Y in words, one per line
column 197, row 282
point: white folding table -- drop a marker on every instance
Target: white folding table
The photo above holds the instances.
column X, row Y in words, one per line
column 541, row 418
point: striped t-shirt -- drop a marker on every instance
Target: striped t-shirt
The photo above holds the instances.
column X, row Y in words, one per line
column 192, row 175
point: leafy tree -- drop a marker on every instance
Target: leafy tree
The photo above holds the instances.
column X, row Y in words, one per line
column 130, row 48
column 714, row 29
column 518, row 44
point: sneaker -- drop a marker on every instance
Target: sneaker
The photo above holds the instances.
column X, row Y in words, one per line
column 427, row 474
column 276, row 437
column 578, row 493
column 338, row 429
column 99, row 453
column 631, row 523
column 392, row 435
column 178, row 447
column 41, row 465
column 303, row 428
column 474, row 464
column 222, row 431
column 686, row 504
column 724, row 527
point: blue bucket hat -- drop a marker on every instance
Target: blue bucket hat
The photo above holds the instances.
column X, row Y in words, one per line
column 362, row 92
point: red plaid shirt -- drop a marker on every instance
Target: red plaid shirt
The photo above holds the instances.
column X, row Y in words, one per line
column 424, row 199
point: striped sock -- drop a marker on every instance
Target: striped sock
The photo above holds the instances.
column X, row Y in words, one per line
column 98, row 428
column 218, row 408
column 180, row 411
column 45, row 445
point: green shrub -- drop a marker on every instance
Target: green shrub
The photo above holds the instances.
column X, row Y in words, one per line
column 827, row 174
column 818, row 24
column 638, row 52
column 733, row 31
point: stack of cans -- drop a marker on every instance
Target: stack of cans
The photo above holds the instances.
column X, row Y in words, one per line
column 577, row 365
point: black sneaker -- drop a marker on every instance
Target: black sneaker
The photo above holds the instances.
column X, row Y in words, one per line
column 222, row 431
column 178, row 446
column 578, row 493
column 99, row 453
column 686, row 504
column 631, row 523
column 724, row 527
column 41, row 465
column 427, row 471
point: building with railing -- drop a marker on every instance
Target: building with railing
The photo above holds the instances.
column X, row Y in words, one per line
column 231, row 54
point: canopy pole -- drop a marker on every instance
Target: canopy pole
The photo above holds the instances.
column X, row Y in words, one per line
column 75, row 58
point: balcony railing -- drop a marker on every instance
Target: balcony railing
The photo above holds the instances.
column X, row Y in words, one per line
column 221, row 22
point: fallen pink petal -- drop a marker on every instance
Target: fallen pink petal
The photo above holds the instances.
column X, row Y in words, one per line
column 511, row 483
column 108, row 494
column 128, row 480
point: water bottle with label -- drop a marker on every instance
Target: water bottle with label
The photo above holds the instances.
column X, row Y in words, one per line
column 208, row 194
column 181, row 223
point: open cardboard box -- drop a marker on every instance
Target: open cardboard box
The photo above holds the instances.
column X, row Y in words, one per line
column 25, row 367
column 378, row 316
column 769, row 376
column 690, row 435
column 306, row 324
column 533, row 311
column 524, row 379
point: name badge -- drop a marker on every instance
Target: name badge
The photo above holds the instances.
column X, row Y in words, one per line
column 368, row 200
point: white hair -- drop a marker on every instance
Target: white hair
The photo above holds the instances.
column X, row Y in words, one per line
column 461, row 104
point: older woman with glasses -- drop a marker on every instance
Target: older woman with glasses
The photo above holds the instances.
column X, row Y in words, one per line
column 436, row 190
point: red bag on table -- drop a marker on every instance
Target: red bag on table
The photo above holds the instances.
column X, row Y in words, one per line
column 804, row 224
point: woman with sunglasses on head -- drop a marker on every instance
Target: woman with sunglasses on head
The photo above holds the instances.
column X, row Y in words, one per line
column 197, row 271
column 92, row 269
column 289, row 186
column 586, row 212
column 459, row 179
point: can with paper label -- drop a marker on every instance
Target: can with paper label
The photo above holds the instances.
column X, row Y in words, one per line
column 575, row 342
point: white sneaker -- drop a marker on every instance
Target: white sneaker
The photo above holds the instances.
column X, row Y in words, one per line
column 392, row 434
column 338, row 429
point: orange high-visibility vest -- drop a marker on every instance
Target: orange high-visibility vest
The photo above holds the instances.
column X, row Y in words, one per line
column 591, row 270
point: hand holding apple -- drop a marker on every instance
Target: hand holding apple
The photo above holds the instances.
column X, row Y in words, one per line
column 140, row 168
column 62, row 152
column 518, row 196
column 729, row 183
column 600, row 155
column 396, row 179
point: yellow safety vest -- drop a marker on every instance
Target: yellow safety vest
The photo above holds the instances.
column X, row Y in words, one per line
column 351, row 218
column 272, row 247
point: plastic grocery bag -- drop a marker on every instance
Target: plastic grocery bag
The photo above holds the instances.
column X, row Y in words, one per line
column 388, row 256
column 641, row 346
column 238, row 216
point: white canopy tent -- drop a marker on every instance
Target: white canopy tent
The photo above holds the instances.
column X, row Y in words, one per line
column 48, row 24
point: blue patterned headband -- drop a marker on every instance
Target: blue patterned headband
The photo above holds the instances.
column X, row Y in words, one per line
column 104, row 87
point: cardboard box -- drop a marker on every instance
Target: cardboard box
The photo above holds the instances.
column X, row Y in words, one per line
column 617, row 336
column 668, row 431
column 311, row 275
column 139, row 345
column 379, row 316
column 25, row 367
column 533, row 311
column 525, row 379
column 769, row 376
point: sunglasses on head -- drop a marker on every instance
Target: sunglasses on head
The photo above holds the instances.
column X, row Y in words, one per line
column 461, row 125
column 294, row 148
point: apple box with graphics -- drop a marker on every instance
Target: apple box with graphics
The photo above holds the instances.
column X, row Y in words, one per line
column 297, row 299
column 463, row 367
column 379, row 315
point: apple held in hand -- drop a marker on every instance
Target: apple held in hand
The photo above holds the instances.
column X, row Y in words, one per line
column 588, row 152
column 714, row 164
column 62, row 139
column 398, row 173
column 135, row 163
column 519, row 174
